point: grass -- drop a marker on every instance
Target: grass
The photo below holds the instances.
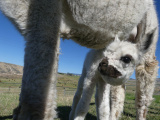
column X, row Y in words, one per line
column 8, row 102
column 66, row 85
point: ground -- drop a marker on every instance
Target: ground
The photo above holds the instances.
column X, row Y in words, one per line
column 66, row 85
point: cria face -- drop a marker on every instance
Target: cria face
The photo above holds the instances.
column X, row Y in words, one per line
column 121, row 58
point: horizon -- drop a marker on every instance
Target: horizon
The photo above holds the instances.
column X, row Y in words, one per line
column 72, row 54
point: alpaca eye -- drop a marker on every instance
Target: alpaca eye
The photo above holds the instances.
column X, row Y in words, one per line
column 126, row 59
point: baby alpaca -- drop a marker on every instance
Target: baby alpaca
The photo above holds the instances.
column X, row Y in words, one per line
column 117, row 63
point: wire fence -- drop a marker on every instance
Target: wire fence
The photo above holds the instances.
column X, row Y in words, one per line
column 60, row 91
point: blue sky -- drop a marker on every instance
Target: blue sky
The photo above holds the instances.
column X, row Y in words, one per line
column 70, row 60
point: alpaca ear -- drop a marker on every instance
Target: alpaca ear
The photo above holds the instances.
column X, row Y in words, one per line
column 143, row 38
column 132, row 36
column 116, row 39
column 147, row 40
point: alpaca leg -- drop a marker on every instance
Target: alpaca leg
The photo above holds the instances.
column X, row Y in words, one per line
column 97, row 101
column 117, row 98
column 38, row 93
column 102, row 100
column 146, row 71
column 145, row 74
column 77, row 96
column 83, row 104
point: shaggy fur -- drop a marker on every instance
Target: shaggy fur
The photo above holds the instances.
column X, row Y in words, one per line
column 93, row 24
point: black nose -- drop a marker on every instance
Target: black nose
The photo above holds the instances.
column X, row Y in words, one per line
column 108, row 70
column 104, row 62
column 103, row 66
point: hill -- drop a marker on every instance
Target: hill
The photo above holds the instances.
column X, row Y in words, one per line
column 14, row 70
column 10, row 69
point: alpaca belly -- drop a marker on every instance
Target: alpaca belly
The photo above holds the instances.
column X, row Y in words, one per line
column 95, row 23
column 87, row 37
column 115, row 15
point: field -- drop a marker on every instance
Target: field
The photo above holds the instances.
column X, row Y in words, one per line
column 66, row 85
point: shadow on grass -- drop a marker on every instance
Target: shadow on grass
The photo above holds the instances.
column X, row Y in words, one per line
column 63, row 113
column 151, row 112
column 128, row 114
column 153, row 108
column 92, row 104
column 6, row 117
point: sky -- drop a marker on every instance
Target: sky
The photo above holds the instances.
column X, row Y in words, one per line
column 72, row 55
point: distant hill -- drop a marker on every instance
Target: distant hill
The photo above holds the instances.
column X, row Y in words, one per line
column 10, row 69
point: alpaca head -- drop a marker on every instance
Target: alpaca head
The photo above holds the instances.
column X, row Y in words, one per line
column 121, row 58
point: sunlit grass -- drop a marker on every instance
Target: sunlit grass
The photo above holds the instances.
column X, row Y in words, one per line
column 9, row 97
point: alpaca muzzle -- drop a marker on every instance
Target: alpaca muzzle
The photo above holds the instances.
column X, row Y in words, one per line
column 108, row 70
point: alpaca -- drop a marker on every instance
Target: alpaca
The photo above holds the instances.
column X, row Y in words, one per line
column 93, row 24
column 117, row 63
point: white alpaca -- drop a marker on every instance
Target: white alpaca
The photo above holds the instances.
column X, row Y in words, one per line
column 112, row 65
column 93, row 24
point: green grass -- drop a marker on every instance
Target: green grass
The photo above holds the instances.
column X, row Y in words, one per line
column 10, row 82
column 157, row 99
column 8, row 101
column 66, row 85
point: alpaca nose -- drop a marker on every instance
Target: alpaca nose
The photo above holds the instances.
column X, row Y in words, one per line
column 104, row 62
column 108, row 70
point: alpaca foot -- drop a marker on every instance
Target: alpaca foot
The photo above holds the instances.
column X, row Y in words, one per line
column 18, row 115
column 16, row 112
column 26, row 114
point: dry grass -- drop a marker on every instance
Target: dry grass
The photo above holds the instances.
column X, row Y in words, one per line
column 9, row 97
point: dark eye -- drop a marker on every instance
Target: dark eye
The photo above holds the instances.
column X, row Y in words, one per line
column 126, row 59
